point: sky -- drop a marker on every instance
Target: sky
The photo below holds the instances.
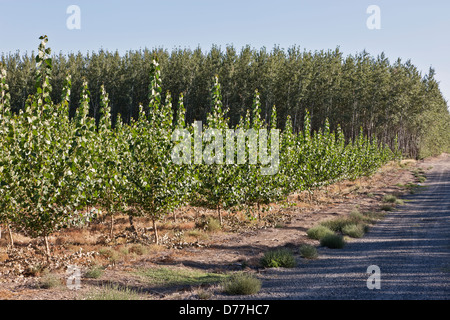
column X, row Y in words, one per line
column 408, row 29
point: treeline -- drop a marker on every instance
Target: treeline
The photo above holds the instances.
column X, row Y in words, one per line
column 386, row 99
column 53, row 167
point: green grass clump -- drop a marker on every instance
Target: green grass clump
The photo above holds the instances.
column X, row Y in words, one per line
column 279, row 258
column 242, row 284
column 204, row 294
column 389, row 198
column 333, row 241
column 308, row 251
column 354, row 230
column 354, row 225
column 94, row 272
column 318, row 232
column 49, row 281
column 109, row 253
column 179, row 276
column 114, row 292
column 213, row 225
column 138, row 249
column 387, row 207
column 419, row 174
column 372, row 216
column 338, row 224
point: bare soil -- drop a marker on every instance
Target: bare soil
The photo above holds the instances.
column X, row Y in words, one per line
column 186, row 241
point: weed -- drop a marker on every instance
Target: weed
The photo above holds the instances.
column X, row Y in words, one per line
column 198, row 234
column 421, row 179
column 308, row 251
column 204, row 294
column 318, row 232
column 278, row 258
column 333, row 241
column 372, row 216
column 49, row 281
column 242, row 284
column 179, row 276
column 138, row 249
column 389, row 198
column 114, row 292
column 354, row 230
column 109, row 253
column 94, row 272
column 213, row 225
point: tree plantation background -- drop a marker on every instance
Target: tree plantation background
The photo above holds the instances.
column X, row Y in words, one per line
column 387, row 99
column 54, row 167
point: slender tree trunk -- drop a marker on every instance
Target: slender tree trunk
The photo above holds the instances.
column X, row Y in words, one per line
column 11, row 240
column 111, row 230
column 130, row 218
column 47, row 247
column 259, row 212
column 155, row 230
column 220, row 215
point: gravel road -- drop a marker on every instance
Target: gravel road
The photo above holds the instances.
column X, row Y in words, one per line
column 411, row 247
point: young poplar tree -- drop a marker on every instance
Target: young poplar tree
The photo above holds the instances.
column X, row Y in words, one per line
column 6, row 121
column 261, row 189
column 150, row 173
column 46, row 156
column 110, row 166
column 186, row 177
column 219, row 183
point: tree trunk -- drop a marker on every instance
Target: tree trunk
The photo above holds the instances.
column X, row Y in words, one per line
column 11, row 240
column 155, row 230
column 111, row 230
column 47, row 247
column 259, row 212
column 130, row 218
column 220, row 214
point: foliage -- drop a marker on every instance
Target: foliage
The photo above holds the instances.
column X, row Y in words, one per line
column 278, row 258
column 333, row 241
column 179, row 276
column 152, row 179
column 308, row 251
column 391, row 100
column 57, row 163
column 242, row 284
column 354, row 230
column 114, row 292
column 48, row 165
column 318, row 232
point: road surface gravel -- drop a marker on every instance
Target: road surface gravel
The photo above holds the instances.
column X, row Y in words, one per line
column 411, row 248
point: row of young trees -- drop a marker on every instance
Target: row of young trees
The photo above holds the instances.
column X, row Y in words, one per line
column 53, row 166
column 387, row 99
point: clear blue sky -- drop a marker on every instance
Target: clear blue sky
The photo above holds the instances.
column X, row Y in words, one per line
column 410, row 29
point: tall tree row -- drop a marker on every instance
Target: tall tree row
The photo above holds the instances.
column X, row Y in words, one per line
column 387, row 99
column 56, row 163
